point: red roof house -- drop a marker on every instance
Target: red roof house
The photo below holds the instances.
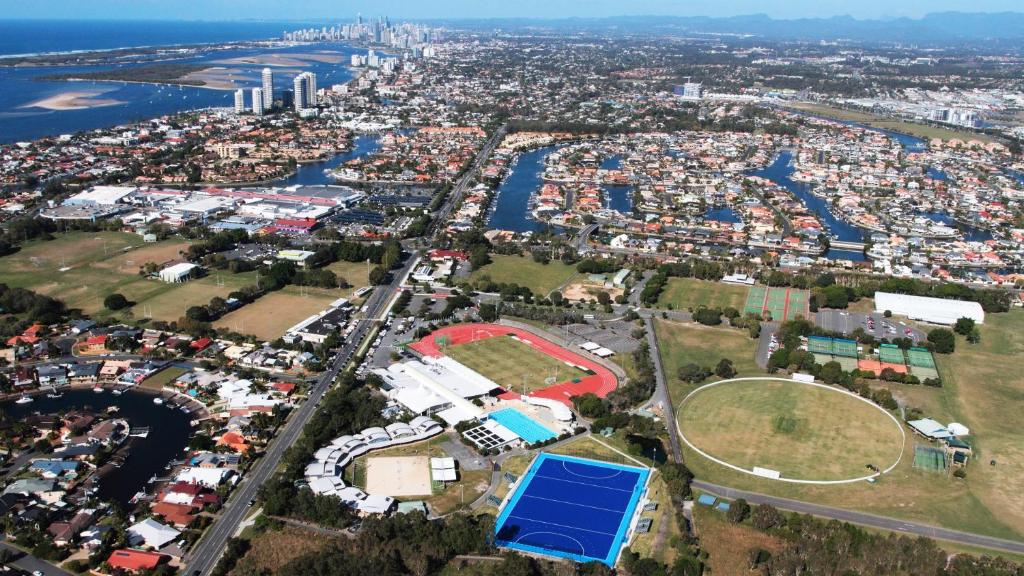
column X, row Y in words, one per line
column 135, row 560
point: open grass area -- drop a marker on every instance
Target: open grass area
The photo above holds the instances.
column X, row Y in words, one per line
column 273, row 549
column 682, row 344
column 597, row 449
column 804, row 432
column 168, row 302
column 163, row 377
column 522, row 270
column 727, row 544
column 353, row 272
column 272, row 314
column 686, row 293
column 512, row 364
column 657, row 543
column 925, row 131
column 979, row 390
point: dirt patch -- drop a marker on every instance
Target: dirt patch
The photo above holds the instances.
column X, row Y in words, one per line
column 398, row 476
column 581, row 291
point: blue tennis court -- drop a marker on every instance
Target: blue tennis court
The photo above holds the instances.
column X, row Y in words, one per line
column 524, row 426
column 572, row 508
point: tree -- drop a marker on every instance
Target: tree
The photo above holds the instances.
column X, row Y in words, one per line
column 693, row 373
column 116, row 301
column 831, row 372
column 975, row 336
column 739, row 510
column 378, row 276
column 479, row 257
column 488, row 312
column 590, row 405
column 836, row 296
column 725, row 369
column 964, row 326
column 766, row 517
column 943, row 341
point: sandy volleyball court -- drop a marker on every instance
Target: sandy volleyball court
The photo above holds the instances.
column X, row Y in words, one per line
column 398, row 476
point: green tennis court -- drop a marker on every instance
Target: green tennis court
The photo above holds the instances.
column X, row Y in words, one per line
column 845, row 348
column 891, row 353
column 921, row 358
column 779, row 303
column 929, row 458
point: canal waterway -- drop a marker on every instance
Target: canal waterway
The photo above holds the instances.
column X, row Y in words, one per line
column 169, row 432
column 315, row 173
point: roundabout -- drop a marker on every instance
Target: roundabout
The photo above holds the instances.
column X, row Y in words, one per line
column 790, row 431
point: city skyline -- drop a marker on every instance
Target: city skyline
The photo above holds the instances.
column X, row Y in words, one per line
column 466, row 9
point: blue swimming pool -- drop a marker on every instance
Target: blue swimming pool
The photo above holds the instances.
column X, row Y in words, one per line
column 572, row 508
column 524, row 426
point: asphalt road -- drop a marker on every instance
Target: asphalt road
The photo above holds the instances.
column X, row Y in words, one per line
column 30, row 563
column 207, row 552
column 661, row 394
column 865, row 519
column 455, row 196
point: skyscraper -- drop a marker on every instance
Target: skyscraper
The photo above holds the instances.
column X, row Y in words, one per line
column 258, row 99
column 268, row 89
column 299, row 89
column 239, row 101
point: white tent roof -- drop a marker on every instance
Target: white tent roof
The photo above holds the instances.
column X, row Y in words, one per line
column 152, row 533
column 934, row 310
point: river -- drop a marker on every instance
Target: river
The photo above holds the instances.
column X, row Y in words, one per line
column 512, row 204
column 169, row 434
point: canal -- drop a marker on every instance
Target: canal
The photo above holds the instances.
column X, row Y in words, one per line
column 512, row 204
column 315, row 173
column 169, row 432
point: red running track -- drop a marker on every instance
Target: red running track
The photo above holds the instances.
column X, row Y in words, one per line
column 601, row 383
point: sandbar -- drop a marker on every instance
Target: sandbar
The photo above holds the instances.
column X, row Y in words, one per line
column 73, row 101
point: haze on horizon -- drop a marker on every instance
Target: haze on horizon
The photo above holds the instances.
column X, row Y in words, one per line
column 450, row 9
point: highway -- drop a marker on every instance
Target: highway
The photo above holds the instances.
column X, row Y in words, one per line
column 207, row 552
column 865, row 519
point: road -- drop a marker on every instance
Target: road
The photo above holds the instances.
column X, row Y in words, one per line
column 207, row 552
column 865, row 519
column 661, row 394
column 30, row 563
column 455, row 196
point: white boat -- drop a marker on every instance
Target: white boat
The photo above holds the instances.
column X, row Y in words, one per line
column 98, row 390
column 158, row 400
column 54, row 395
column 24, row 400
column 116, row 392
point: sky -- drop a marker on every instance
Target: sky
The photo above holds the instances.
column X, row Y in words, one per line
column 279, row 10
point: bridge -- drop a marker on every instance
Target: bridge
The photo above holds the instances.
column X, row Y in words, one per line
column 843, row 245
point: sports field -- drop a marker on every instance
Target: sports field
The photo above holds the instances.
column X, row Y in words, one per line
column 168, row 302
column 686, row 293
column 398, row 476
column 572, row 508
column 522, row 270
column 803, row 432
column 272, row 314
column 512, row 364
column 355, row 273
column 778, row 303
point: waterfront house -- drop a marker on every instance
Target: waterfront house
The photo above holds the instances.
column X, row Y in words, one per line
column 151, row 533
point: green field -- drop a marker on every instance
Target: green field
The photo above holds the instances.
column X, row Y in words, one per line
column 521, row 270
column 979, row 390
column 682, row 344
column 804, row 432
column 512, row 364
column 687, row 293
column 920, row 130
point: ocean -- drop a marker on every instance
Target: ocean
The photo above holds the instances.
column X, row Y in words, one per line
column 21, row 119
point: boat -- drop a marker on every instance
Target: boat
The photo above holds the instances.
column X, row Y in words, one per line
column 24, row 400
column 158, row 401
column 116, row 392
column 54, row 395
column 98, row 390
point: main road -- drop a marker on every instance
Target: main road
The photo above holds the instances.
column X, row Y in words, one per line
column 203, row 558
column 865, row 519
column 459, row 190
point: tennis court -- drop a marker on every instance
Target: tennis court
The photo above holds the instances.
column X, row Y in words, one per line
column 929, row 458
column 779, row 303
column 922, row 363
column 572, row 508
column 522, row 425
column 891, row 354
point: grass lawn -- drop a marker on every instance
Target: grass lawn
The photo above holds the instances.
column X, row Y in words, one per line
column 540, row 278
column 686, row 293
column 163, row 378
column 353, row 272
column 682, row 344
column 168, row 302
column 511, row 363
column 804, row 432
column 920, row 130
column 271, row 315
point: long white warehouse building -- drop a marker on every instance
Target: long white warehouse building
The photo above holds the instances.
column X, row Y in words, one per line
column 933, row 310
